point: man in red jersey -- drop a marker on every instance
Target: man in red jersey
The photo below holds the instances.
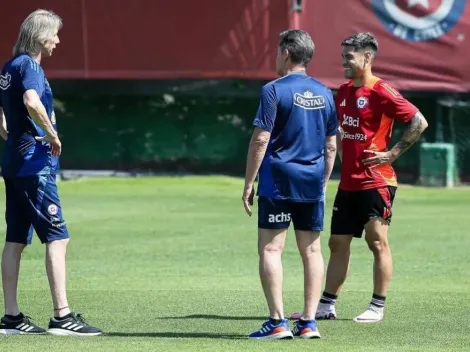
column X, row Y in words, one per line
column 367, row 108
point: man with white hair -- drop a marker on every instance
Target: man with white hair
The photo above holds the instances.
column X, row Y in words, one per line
column 29, row 167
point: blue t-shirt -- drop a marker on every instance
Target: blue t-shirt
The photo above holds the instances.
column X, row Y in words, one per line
column 299, row 112
column 23, row 155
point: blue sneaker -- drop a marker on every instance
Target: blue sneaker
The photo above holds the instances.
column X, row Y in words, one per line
column 306, row 329
column 270, row 331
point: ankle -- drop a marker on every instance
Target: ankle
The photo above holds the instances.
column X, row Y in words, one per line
column 378, row 301
column 18, row 316
column 306, row 318
column 12, row 312
column 61, row 312
column 328, row 299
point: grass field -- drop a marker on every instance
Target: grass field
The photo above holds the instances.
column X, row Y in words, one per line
column 171, row 264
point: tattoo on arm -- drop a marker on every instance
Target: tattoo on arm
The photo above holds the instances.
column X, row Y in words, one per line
column 416, row 126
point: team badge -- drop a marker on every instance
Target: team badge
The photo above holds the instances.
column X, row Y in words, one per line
column 419, row 20
column 5, row 81
column 361, row 102
column 52, row 209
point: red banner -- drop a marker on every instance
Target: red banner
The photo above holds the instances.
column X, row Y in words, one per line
column 422, row 43
column 158, row 39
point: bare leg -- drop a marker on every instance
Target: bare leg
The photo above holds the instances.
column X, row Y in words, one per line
column 376, row 237
column 56, row 272
column 270, row 247
column 309, row 246
column 338, row 265
column 377, row 240
column 10, row 271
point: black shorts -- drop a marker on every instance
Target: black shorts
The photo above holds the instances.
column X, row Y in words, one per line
column 353, row 209
column 278, row 214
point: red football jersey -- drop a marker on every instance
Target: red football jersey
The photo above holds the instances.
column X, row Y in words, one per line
column 366, row 115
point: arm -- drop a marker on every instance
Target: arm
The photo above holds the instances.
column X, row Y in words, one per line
column 398, row 108
column 3, row 127
column 338, row 143
column 264, row 123
column 330, row 155
column 256, row 151
column 33, row 87
column 331, row 140
column 415, row 128
column 38, row 112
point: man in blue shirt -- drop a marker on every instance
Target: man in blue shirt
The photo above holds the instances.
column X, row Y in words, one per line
column 29, row 167
column 293, row 148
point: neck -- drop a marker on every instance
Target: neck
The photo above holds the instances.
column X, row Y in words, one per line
column 360, row 81
column 295, row 69
column 36, row 57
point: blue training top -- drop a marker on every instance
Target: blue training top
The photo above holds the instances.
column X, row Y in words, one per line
column 299, row 111
column 23, row 155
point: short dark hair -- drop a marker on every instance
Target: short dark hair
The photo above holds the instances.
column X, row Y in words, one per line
column 362, row 41
column 299, row 44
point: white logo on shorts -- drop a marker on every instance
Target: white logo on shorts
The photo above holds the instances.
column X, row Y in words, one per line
column 283, row 217
column 52, row 209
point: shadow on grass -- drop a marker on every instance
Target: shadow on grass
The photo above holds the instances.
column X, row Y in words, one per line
column 188, row 335
column 216, row 317
column 230, row 317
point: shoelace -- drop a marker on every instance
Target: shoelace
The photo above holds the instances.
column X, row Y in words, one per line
column 28, row 319
column 79, row 317
column 263, row 326
column 374, row 309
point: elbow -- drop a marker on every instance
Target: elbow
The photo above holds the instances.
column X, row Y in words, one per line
column 330, row 152
column 332, row 148
column 424, row 125
column 30, row 101
column 259, row 143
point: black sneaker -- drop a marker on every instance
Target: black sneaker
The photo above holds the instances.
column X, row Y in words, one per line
column 72, row 325
column 20, row 326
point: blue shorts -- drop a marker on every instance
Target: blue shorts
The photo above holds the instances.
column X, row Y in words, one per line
column 33, row 202
column 277, row 214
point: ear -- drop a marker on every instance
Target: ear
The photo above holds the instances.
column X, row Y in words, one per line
column 285, row 54
column 368, row 56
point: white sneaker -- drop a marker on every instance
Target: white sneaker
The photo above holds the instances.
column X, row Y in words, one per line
column 325, row 312
column 373, row 314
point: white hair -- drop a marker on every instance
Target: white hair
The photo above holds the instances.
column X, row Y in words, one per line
column 36, row 29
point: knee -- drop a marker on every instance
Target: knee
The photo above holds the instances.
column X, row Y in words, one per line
column 339, row 245
column 377, row 246
column 12, row 248
column 311, row 250
column 270, row 249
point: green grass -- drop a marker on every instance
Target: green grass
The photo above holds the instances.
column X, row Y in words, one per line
column 171, row 264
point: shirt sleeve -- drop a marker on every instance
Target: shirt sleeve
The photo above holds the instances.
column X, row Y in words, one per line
column 332, row 123
column 267, row 109
column 394, row 104
column 31, row 77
